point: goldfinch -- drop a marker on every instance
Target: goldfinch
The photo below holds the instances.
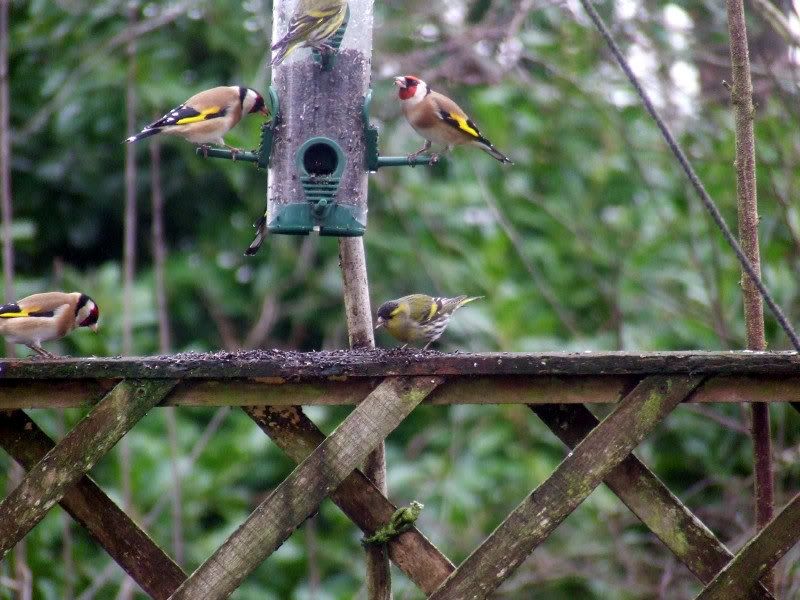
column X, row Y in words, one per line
column 46, row 317
column 419, row 317
column 439, row 120
column 205, row 117
column 312, row 23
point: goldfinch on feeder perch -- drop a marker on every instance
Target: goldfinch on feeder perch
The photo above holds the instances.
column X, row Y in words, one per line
column 205, row 117
column 46, row 317
column 418, row 317
column 439, row 120
column 313, row 22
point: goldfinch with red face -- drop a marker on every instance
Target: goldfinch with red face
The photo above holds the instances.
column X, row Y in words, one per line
column 312, row 23
column 439, row 120
column 46, row 317
column 205, row 117
column 418, row 317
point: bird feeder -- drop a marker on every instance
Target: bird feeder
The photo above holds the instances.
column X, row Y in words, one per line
column 317, row 180
column 319, row 145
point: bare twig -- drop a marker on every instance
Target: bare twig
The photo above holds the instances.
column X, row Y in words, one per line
column 129, row 266
column 5, row 164
column 164, row 342
column 747, row 201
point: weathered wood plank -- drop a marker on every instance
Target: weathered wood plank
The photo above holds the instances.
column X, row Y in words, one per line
column 521, row 389
column 757, row 557
column 305, row 366
column 572, row 481
column 649, row 499
column 357, row 496
column 46, row 482
column 299, row 495
column 134, row 551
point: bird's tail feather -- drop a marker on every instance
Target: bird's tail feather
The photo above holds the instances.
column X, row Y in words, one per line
column 283, row 48
column 144, row 133
column 459, row 301
column 489, row 148
column 261, row 234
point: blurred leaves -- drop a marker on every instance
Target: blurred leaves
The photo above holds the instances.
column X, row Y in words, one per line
column 592, row 240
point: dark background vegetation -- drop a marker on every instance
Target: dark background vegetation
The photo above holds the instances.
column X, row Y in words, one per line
column 592, row 241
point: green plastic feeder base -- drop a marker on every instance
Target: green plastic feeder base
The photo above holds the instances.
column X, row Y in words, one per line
column 298, row 219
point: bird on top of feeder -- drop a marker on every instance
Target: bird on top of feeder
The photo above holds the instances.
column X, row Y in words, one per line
column 419, row 317
column 313, row 22
column 207, row 116
column 439, row 120
column 46, row 317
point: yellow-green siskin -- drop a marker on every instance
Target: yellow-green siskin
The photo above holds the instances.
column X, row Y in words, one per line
column 419, row 317
column 313, row 22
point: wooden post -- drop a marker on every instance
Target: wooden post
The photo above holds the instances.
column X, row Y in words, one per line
column 305, row 488
column 353, row 262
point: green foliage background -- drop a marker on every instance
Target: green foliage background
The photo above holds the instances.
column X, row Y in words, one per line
column 592, row 241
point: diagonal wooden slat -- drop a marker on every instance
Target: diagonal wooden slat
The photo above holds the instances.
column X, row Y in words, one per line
column 137, row 554
column 757, row 557
column 357, row 496
column 46, row 482
column 572, row 481
column 649, row 499
column 299, row 495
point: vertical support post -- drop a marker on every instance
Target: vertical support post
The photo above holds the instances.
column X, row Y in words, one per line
column 747, row 202
column 353, row 263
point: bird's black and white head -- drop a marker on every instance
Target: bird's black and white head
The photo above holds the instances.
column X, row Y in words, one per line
column 87, row 313
column 411, row 89
column 386, row 311
column 252, row 101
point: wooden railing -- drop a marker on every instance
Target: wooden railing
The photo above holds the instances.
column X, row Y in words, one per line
column 386, row 386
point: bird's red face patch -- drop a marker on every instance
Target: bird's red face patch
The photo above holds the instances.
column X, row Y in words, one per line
column 408, row 86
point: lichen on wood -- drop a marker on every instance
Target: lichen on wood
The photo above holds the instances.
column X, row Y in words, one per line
column 357, row 496
column 580, row 472
column 47, row 481
column 299, row 495
column 132, row 549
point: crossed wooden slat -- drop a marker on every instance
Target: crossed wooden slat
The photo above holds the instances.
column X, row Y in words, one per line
column 328, row 467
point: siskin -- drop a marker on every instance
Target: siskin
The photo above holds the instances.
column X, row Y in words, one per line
column 207, row 116
column 45, row 317
column 313, row 22
column 440, row 120
column 419, row 317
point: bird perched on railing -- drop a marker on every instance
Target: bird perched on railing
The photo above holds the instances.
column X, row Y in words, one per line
column 419, row 317
column 313, row 22
column 439, row 120
column 46, row 317
column 205, row 117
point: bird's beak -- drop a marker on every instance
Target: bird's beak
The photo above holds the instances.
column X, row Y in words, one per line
column 93, row 327
column 400, row 82
column 380, row 323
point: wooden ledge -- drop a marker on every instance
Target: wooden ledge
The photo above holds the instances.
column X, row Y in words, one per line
column 278, row 366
